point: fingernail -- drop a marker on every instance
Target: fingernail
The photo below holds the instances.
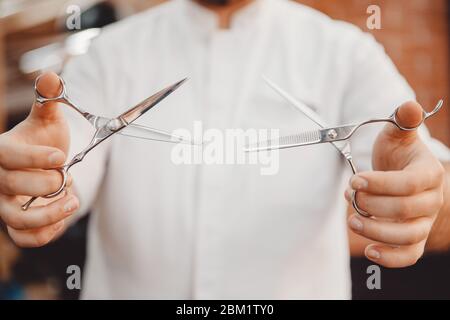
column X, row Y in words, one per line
column 347, row 195
column 56, row 157
column 71, row 204
column 373, row 254
column 356, row 224
column 359, row 183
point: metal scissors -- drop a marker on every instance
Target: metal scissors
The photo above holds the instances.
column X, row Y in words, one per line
column 338, row 136
column 105, row 127
column 133, row 130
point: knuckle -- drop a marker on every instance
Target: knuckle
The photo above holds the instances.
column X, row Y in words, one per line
column 405, row 209
column 417, row 236
column 52, row 215
column 54, row 181
column 422, row 234
column 42, row 238
column 14, row 221
column 411, row 187
column 382, row 183
column 33, row 160
column 9, row 183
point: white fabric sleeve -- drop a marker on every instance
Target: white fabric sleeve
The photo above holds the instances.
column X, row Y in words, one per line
column 375, row 89
column 83, row 77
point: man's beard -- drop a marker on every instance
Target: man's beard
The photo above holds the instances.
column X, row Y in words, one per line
column 217, row 2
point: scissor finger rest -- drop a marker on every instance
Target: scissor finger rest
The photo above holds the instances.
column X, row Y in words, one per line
column 62, row 96
column 64, row 175
column 425, row 116
column 394, row 120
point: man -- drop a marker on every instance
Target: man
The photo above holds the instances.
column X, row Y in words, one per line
column 160, row 230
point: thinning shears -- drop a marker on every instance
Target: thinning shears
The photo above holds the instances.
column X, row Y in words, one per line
column 106, row 127
column 338, row 136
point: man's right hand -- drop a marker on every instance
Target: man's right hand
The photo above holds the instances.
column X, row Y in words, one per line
column 27, row 152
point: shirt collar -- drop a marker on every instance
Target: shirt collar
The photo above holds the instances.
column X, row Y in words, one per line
column 206, row 21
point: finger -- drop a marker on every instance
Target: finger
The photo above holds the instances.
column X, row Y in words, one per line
column 395, row 257
column 21, row 156
column 413, row 179
column 426, row 203
column 395, row 233
column 409, row 115
column 49, row 86
column 37, row 237
column 30, row 183
column 69, row 181
column 39, row 216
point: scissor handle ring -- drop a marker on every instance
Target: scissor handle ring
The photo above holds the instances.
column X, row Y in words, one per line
column 358, row 209
column 397, row 124
column 63, row 172
column 62, row 97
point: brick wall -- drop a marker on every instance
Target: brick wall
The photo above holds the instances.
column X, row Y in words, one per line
column 415, row 34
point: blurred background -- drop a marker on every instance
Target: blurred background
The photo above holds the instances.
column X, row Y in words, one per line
column 34, row 38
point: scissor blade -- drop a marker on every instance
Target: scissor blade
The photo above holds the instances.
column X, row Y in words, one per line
column 306, row 138
column 143, row 132
column 137, row 111
column 342, row 146
column 298, row 105
column 291, row 141
column 147, row 133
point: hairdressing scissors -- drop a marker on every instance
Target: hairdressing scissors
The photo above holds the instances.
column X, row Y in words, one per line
column 338, row 136
column 105, row 127
column 133, row 130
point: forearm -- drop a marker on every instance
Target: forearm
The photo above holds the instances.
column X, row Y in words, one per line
column 439, row 239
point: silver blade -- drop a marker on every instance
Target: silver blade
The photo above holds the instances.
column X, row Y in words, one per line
column 298, row 105
column 342, row 146
column 291, row 141
column 148, row 133
column 134, row 113
column 305, row 138
column 143, row 132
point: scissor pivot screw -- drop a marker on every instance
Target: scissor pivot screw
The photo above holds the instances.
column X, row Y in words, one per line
column 114, row 124
column 332, row 134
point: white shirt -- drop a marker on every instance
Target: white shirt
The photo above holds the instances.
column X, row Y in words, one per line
column 160, row 230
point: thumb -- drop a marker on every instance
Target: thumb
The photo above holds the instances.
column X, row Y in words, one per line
column 48, row 86
column 409, row 115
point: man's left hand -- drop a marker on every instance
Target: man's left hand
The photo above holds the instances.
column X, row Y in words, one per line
column 404, row 193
